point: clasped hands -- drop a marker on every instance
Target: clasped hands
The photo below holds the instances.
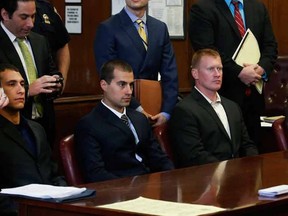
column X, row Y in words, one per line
column 46, row 84
column 251, row 74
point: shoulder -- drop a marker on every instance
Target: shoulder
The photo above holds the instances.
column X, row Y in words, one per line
column 228, row 102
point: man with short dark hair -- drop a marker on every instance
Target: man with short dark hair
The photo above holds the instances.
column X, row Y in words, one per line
column 24, row 151
column 30, row 52
column 115, row 141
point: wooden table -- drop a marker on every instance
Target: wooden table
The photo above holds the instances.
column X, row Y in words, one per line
column 231, row 184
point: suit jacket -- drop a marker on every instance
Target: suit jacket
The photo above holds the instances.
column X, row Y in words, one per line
column 212, row 26
column 44, row 65
column 106, row 146
column 19, row 166
column 117, row 38
column 199, row 137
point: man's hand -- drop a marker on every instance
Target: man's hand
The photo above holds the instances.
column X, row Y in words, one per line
column 250, row 74
column 3, row 99
column 45, row 84
column 159, row 119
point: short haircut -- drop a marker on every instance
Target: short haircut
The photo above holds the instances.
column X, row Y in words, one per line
column 7, row 66
column 107, row 70
column 200, row 53
column 11, row 6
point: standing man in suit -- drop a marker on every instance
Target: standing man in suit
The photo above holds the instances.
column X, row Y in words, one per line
column 24, row 151
column 17, row 17
column 212, row 25
column 110, row 147
column 49, row 23
column 206, row 127
column 118, row 38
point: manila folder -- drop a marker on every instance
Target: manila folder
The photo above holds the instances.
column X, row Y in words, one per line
column 248, row 52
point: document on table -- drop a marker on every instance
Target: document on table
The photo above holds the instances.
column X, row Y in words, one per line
column 48, row 192
column 162, row 208
column 248, row 52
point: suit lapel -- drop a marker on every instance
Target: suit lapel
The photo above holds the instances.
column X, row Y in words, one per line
column 111, row 119
column 131, row 31
column 11, row 131
column 231, row 120
column 224, row 9
column 249, row 15
column 10, row 52
column 204, row 103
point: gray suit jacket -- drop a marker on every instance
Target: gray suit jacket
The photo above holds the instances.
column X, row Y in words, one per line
column 199, row 137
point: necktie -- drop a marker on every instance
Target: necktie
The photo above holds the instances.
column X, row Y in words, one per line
column 124, row 118
column 31, row 71
column 142, row 32
column 238, row 18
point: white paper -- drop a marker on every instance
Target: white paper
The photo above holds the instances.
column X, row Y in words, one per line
column 162, row 208
column 273, row 191
column 43, row 191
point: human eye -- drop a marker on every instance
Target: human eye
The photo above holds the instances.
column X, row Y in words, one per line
column 122, row 84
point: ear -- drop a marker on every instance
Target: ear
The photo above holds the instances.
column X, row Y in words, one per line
column 4, row 14
column 194, row 73
column 103, row 85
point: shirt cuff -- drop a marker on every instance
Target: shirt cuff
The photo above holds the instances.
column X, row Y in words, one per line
column 166, row 115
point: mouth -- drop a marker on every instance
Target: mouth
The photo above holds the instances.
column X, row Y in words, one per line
column 20, row 100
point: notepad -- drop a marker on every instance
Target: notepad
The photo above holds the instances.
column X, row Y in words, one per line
column 48, row 192
column 273, row 191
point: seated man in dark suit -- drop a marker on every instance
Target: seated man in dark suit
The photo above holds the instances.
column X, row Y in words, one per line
column 206, row 127
column 109, row 147
column 24, row 151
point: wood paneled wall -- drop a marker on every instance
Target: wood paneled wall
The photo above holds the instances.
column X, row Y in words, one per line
column 83, row 78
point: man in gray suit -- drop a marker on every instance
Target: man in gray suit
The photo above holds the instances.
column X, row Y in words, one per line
column 24, row 151
column 17, row 20
column 206, row 127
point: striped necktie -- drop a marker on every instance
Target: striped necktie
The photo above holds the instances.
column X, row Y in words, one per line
column 238, row 18
column 124, row 118
column 142, row 32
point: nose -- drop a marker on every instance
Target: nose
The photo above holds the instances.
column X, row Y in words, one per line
column 21, row 89
column 129, row 89
column 30, row 22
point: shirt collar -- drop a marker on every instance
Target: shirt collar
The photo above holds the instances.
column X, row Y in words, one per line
column 228, row 2
column 118, row 114
column 11, row 36
column 133, row 17
column 218, row 99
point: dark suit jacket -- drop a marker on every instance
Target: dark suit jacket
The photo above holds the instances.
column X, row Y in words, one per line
column 212, row 26
column 44, row 65
column 106, row 146
column 199, row 137
column 18, row 166
column 117, row 38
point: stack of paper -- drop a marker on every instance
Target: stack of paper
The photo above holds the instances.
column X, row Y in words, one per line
column 273, row 191
column 48, row 192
